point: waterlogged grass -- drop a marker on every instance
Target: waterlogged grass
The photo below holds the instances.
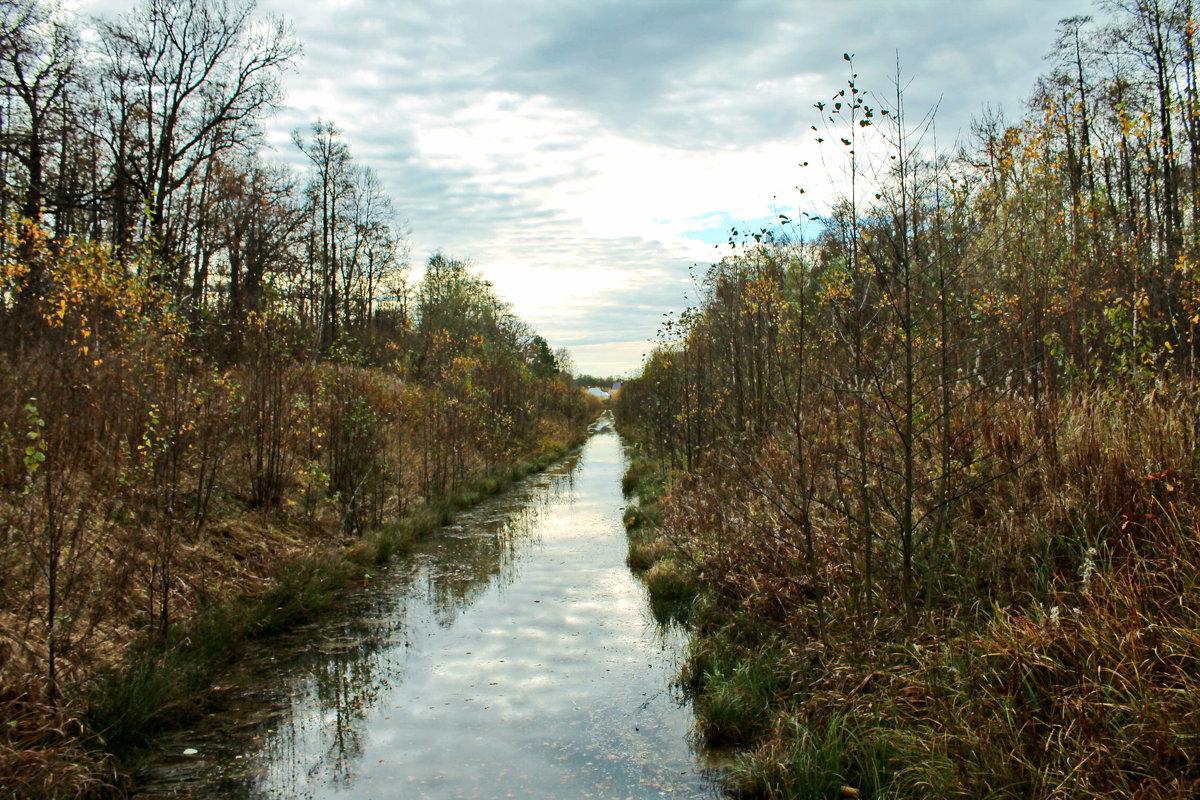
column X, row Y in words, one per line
column 834, row 755
column 644, row 551
column 646, row 545
column 734, row 687
column 643, row 518
column 643, row 479
column 164, row 683
column 669, row 580
column 673, row 591
column 643, row 485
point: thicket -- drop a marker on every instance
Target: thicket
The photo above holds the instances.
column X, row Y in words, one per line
column 216, row 380
column 934, row 468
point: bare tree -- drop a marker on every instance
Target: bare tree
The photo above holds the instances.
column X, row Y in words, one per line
column 187, row 80
column 38, row 65
column 331, row 161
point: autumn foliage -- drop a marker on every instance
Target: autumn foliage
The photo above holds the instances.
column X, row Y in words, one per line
column 143, row 480
column 213, row 369
column 930, row 465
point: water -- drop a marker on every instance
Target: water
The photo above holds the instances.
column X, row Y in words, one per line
column 512, row 655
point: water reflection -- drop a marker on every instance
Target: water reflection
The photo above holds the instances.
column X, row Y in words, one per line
column 512, row 655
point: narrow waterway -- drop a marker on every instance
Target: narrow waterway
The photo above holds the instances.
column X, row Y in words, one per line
column 512, row 654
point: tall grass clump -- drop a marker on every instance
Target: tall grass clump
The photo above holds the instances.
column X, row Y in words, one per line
column 669, row 578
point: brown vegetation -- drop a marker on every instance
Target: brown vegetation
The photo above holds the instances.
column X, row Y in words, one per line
column 146, row 482
column 215, row 380
column 934, row 472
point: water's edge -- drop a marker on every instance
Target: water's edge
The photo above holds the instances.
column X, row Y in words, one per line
column 511, row 652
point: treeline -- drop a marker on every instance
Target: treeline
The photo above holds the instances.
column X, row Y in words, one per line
column 933, row 470
column 146, row 135
column 586, row 381
column 210, row 366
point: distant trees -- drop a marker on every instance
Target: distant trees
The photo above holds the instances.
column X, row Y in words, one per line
column 585, row 380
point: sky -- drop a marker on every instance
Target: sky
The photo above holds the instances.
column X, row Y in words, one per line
column 590, row 157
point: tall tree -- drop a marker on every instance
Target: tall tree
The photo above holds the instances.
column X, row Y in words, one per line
column 186, row 80
column 330, row 186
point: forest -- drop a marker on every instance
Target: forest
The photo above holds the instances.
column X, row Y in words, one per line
column 922, row 471
column 222, row 394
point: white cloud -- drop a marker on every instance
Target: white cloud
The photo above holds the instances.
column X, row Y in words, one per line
column 586, row 155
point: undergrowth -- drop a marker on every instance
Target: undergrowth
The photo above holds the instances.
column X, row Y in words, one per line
column 1061, row 657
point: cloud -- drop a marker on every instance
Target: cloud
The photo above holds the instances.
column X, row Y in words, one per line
column 586, row 155
column 658, row 72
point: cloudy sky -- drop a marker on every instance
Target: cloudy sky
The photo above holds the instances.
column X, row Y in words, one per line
column 587, row 155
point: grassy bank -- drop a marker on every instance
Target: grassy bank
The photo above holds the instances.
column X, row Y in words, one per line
column 653, row 556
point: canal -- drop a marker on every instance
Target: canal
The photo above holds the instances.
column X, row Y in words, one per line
column 512, row 654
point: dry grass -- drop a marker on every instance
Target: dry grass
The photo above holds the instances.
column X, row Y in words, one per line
column 110, row 602
column 1061, row 658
